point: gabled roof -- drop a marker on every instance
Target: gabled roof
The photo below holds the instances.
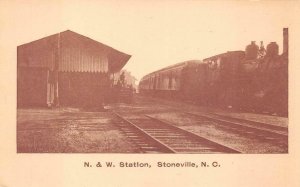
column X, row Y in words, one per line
column 116, row 59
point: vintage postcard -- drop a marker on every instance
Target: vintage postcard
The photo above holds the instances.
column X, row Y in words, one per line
column 149, row 93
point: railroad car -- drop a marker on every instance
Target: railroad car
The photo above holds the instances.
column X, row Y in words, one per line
column 223, row 78
column 210, row 81
column 253, row 80
column 166, row 82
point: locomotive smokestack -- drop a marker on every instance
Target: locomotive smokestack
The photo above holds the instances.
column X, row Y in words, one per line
column 285, row 41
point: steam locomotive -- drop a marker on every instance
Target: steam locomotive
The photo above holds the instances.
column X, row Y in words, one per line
column 253, row 80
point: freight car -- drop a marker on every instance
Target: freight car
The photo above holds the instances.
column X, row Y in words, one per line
column 252, row 80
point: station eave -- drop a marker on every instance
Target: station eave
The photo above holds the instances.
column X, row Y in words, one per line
column 116, row 59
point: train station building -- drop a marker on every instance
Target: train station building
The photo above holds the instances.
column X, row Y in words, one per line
column 66, row 69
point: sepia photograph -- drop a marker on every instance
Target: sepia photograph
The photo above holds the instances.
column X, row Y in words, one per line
column 149, row 93
column 78, row 95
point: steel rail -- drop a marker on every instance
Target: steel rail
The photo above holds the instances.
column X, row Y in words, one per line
column 223, row 122
column 196, row 136
column 164, row 146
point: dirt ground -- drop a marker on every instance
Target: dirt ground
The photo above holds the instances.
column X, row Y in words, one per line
column 68, row 131
column 72, row 130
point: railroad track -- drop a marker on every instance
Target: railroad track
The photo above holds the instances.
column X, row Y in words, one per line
column 261, row 131
column 152, row 135
column 275, row 128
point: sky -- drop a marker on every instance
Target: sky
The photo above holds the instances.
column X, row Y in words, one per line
column 155, row 33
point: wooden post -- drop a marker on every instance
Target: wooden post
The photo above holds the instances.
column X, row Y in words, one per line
column 56, row 66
